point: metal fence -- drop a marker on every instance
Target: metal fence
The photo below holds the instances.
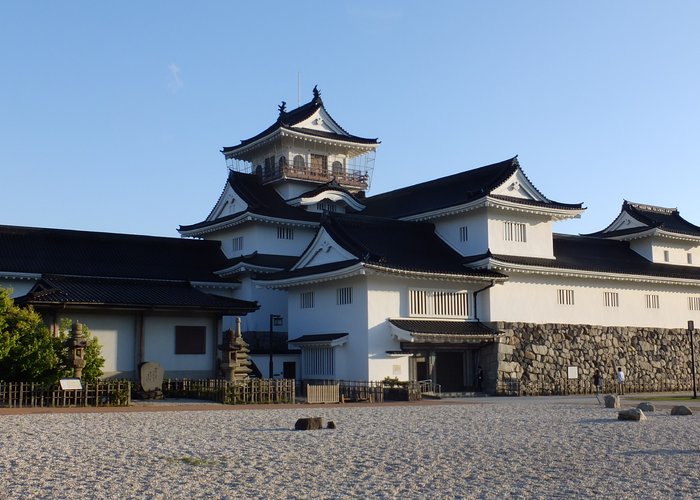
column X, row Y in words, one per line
column 30, row 395
column 250, row 391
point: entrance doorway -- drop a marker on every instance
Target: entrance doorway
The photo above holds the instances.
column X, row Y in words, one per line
column 289, row 370
column 455, row 371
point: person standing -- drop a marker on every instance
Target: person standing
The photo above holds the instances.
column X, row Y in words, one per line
column 620, row 380
column 598, row 384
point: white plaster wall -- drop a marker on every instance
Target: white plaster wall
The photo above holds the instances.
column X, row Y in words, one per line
column 653, row 249
column 262, row 361
column 386, row 299
column 538, row 235
column 159, row 345
column 116, row 334
column 262, row 238
column 533, row 299
column 477, row 242
column 326, row 316
column 271, row 302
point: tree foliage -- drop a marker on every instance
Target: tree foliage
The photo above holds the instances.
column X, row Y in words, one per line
column 29, row 353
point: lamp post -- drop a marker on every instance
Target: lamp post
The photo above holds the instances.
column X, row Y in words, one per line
column 275, row 320
column 691, row 328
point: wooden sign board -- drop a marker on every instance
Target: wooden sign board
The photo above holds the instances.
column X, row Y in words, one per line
column 573, row 372
column 71, row 384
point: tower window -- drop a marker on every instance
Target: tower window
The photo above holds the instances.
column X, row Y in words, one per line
column 343, row 295
column 337, row 169
column 514, row 231
column 565, row 297
column 238, row 243
column 690, row 258
column 306, row 300
column 667, row 256
column 612, row 299
column 463, row 234
column 652, row 301
column 285, row 233
column 299, row 163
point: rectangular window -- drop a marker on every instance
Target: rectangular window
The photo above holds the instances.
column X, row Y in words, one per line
column 306, row 300
column 612, row 299
column 190, row 339
column 438, row 303
column 690, row 258
column 667, row 256
column 343, row 296
column 238, row 243
column 514, row 231
column 285, row 233
column 694, row 303
column 463, row 234
column 565, row 297
column 652, row 301
column 317, row 361
column 319, row 164
column 326, row 206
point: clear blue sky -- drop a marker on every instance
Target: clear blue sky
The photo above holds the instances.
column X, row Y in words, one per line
column 113, row 114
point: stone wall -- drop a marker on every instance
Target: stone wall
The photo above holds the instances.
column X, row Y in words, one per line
column 535, row 358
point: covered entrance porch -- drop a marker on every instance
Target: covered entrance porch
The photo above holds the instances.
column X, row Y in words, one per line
column 446, row 353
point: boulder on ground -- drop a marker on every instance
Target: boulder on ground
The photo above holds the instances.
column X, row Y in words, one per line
column 646, row 406
column 634, row 414
column 681, row 410
column 309, row 424
column 612, row 401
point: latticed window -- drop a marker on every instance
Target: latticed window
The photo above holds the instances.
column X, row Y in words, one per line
column 298, row 163
column 514, row 231
column 463, row 234
column 337, row 169
column 652, row 301
column 565, row 297
column 439, row 303
column 285, row 233
column 326, row 206
column 612, row 299
column 343, row 295
column 694, row 303
column 317, row 361
column 306, row 300
column 238, row 243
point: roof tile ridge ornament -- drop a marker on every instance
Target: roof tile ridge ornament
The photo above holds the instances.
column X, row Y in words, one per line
column 283, row 112
column 651, row 208
column 317, row 93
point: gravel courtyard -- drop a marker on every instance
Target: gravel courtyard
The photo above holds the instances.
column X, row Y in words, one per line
column 486, row 448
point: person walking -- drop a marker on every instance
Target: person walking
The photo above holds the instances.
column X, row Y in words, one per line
column 620, row 380
column 598, row 384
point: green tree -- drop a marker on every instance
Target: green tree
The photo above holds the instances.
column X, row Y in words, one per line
column 28, row 352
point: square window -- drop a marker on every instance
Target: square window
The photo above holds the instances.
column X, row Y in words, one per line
column 190, row 340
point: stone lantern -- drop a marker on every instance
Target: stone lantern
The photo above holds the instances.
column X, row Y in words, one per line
column 76, row 349
column 234, row 350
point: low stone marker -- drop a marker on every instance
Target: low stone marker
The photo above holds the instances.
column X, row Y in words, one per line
column 634, row 414
column 150, row 380
column 612, row 401
column 309, row 424
column 646, row 406
column 681, row 410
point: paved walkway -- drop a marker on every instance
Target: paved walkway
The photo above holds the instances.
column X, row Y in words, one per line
column 626, row 401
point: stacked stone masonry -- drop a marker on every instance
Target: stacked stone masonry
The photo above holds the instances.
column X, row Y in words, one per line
column 537, row 357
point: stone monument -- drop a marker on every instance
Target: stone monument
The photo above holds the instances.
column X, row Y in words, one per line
column 151, row 380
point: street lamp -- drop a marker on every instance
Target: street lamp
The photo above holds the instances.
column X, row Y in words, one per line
column 275, row 320
column 691, row 328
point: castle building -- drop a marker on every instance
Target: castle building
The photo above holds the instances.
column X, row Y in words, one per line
column 436, row 282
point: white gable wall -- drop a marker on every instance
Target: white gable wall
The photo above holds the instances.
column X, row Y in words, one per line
column 654, row 249
column 534, row 299
column 262, row 237
column 18, row 287
column 448, row 228
column 538, row 232
column 229, row 203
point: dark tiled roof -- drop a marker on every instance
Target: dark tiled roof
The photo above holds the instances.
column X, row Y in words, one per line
column 331, row 186
column 409, row 246
column 668, row 219
column 600, row 255
column 450, row 191
column 265, row 260
column 307, row 271
column 288, row 119
column 436, row 327
column 321, row 337
column 82, row 253
column 129, row 293
column 262, row 200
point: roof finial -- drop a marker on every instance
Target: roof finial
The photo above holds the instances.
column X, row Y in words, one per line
column 317, row 93
column 282, row 108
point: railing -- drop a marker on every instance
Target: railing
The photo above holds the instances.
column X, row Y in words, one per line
column 347, row 177
column 428, row 387
column 31, row 395
column 250, row 391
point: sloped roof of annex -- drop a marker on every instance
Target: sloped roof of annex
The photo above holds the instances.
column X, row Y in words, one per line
column 293, row 122
column 590, row 257
column 499, row 184
column 362, row 244
column 262, row 203
column 637, row 220
column 136, row 264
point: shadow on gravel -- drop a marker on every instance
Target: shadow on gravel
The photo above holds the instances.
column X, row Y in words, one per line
column 661, row 452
